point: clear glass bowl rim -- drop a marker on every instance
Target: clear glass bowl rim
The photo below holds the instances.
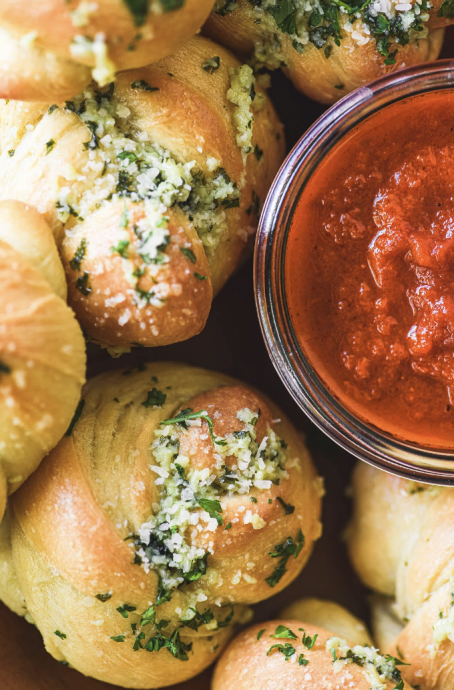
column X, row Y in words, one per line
column 365, row 442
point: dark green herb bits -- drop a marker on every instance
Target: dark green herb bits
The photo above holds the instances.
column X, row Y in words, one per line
column 198, row 620
column 188, row 414
column 5, row 368
column 76, row 417
column 283, row 632
column 307, row 641
column 126, row 609
column 211, row 64
column 189, row 254
column 200, row 277
column 174, row 645
column 283, row 14
column 104, row 597
column 94, row 141
column 49, row 146
column 288, row 509
column 287, row 650
column 82, row 284
column 78, row 257
column 213, row 508
column 11, row 152
column 61, row 635
column 118, row 638
column 284, row 551
column 143, row 85
column 258, row 152
column 155, row 398
column 260, row 633
column 51, row 109
column 121, row 248
column 139, row 10
column 447, row 9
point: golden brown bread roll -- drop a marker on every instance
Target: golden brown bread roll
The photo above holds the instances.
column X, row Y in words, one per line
column 51, row 50
column 134, row 520
column 401, row 542
column 153, row 205
column 286, row 653
column 42, row 350
column 330, row 616
column 326, row 50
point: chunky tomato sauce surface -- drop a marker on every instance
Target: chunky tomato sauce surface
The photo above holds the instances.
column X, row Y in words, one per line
column 370, row 270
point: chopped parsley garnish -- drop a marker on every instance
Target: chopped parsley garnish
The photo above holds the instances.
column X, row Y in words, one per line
column 4, row 368
column 229, row 525
column 127, row 155
column 125, row 610
column 94, row 141
column 189, row 254
column 302, row 661
column 231, row 203
column 11, row 152
column 59, row 634
column 288, row 509
column 121, row 248
column 82, row 283
column 283, row 632
column 155, row 398
column 49, row 146
column 139, row 10
column 213, row 508
column 104, row 597
column 307, row 641
column 78, row 257
column 188, row 414
column 211, row 64
column 76, row 417
column 181, row 471
column 254, row 208
column 287, row 650
column 260, row 633
column 199, row 277
column 253, row 499
column 176, row 647
column 143, row 85
column 198, row 620
column 258, row 152
column 118, row 638
column 51, row 109
column 284, row 551
column 447, row 9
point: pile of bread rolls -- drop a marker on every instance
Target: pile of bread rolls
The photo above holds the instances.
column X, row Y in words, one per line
column 146, row 511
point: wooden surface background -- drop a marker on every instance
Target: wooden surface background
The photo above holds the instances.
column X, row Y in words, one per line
column 231, row 343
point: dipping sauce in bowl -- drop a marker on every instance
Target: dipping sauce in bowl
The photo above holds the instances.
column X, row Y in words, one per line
column 369, row 270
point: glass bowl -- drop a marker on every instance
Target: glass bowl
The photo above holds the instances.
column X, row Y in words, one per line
column 365, row 441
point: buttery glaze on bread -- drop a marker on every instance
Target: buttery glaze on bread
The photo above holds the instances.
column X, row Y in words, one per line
column 130, row 522
column 42, row 350
column 51, row 50
column 153, row 204
column 290, row 653
column 326, row 57
column 401, row 542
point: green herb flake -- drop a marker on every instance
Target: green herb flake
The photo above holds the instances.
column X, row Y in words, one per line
column 139, row 10
column 59, row 634
column 143, row 85
column 121, row 248
column 302, row 661
column 76, row 417
column 5, row 368
column 211, row 64
column 51, row 109
column 82, row 284
column 283, row 632
column 188, row 254
column 200, row 277
column 260, row 633
column 287, row 650
column 447, row 9
column 125, row 609
column 229, row 526
column 103, row 597
column 284, row 551
column 11, row 152
column 118, row 638
column 253, row 499
column 155, row 398
column 308, row 641
column 49, row 146
column 79, row 256
column 288, row 509
column 213, row 508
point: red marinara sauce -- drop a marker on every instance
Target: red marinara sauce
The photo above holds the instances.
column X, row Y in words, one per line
column 369, row 272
